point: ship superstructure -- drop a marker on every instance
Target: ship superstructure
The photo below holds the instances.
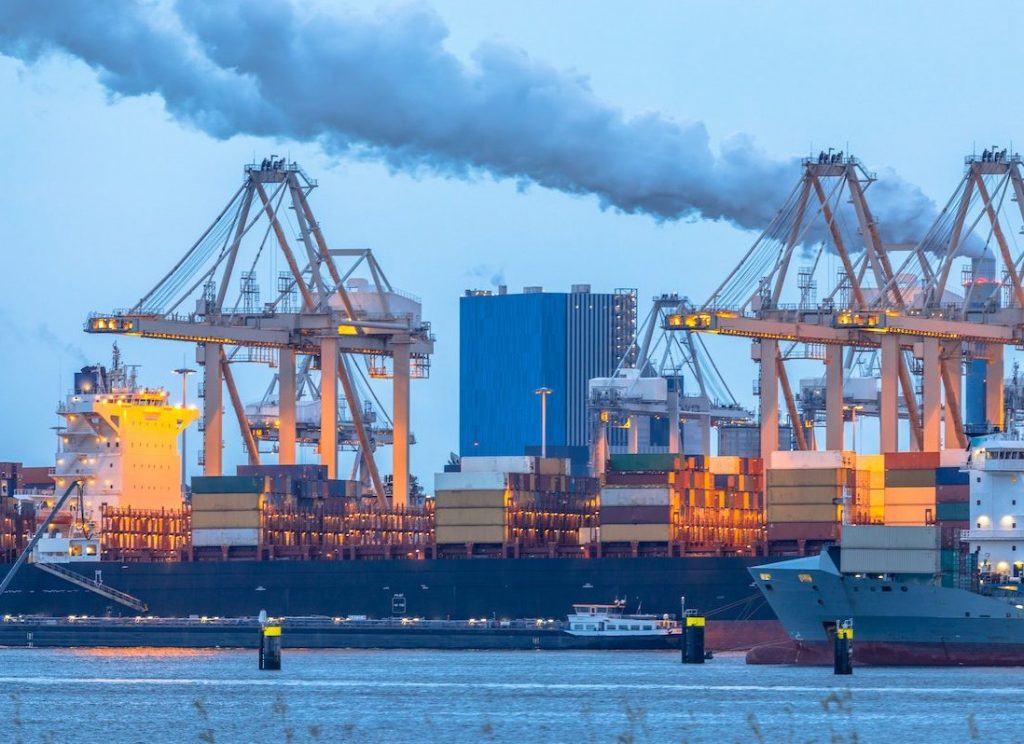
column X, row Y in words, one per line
column 121, row 440
column 996, row 531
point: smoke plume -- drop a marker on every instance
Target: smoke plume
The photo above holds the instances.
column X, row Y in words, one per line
column 383, row 86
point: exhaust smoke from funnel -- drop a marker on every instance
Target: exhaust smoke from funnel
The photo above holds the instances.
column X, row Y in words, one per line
column 383, row 87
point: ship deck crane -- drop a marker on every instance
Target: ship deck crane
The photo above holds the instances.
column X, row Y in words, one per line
column 76, row 487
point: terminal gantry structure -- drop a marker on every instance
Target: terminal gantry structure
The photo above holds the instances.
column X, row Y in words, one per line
column 331, row 307
column 909, row 316
column 648, row 383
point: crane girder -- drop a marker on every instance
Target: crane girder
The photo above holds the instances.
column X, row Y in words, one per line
column 299, row 332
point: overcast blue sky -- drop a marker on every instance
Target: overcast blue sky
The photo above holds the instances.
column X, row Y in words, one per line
column 104, row 192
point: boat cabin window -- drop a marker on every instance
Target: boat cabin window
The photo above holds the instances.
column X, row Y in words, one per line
column 805, row 578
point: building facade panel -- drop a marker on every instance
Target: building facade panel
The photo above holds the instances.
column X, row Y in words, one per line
column 510, row 345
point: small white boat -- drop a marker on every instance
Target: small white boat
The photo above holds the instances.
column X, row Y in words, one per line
column 612, row 621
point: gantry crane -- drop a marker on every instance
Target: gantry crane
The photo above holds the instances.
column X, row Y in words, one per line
column 871, row 306
column 330, row 304
column 264, row 416
column 648, row 384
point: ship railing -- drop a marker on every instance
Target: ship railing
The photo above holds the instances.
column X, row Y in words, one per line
column 983, row 534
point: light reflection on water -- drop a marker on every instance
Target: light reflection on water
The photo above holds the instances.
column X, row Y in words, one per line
column 452, row 696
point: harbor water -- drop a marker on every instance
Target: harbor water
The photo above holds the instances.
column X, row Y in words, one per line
column 149, row 695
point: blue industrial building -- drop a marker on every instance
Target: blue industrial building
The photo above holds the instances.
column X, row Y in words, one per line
column 512, row 344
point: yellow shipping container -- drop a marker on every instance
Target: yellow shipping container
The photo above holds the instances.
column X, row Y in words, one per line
column 872, row 463
column 462, row 534
column 450, row 516
column 808, row 477
column 472, row 499
column 803, row 512
column 225, row 519
column 636, row 532
column 226, row 501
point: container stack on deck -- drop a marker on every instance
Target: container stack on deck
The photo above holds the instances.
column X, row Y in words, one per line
column 952, row 505
column 869, row 496
column 910, row 488
column 804, row 495
column 640, row 505
column 665, row 504
column 8, row 529
column 227, row 515
column 915, row 489
column 512, row 506
column 294, row 511
column 128, row 534
column 340, row 527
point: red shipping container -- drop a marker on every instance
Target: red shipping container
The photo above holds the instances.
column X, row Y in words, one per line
column 952, row 494
column 803, row 531
column 911, row 460
column 949, row 533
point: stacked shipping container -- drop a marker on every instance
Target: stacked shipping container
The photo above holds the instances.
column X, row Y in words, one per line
column 130, row 534
column 804, row 495
column 16, row 528
column 337, row 528
column 518, row 503
column 470, row 507
column 910, row 488
column 227, row 511
column 682, row 503
column 869, row 496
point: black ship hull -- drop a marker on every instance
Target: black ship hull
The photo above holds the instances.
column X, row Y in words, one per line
column 721, row 588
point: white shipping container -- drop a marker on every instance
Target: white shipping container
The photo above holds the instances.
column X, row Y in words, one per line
column 470, row 481
column 953, row 458
column 811, row 459
column 890, row 538
column 511, row 464
column 887, row 560
column 231, row 536
column 635, row 496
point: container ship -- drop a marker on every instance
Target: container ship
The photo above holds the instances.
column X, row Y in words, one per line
column 502, row 538
column 914, row 594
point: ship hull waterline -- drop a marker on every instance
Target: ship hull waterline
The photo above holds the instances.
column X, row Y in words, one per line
column 887, row 653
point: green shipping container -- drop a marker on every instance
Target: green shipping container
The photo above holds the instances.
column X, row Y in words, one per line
column 949, row 559
column 910, row 478
column 956, row 511
column 229, row 484
column 658, row 462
